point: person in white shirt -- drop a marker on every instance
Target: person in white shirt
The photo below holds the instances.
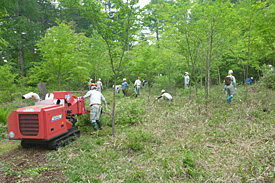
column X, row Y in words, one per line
column 165, row 96
column 137, row 86
column 230, row 85
column 186, row 80
column 95, row 103
column 117, row 88
column 99, row 85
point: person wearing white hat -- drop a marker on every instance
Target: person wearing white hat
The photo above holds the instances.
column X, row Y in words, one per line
column 186, row 80
column 95, row 103
column 124, row 87
column 99, row 85
column 229, row 85
column 249, row 80
column 137, row 86
column 165, row 95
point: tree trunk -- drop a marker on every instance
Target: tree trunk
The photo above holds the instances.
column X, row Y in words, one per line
column 42, row 90
column 248, row 61
column 219, row 76
column 193, row 70
column 22, row 60
column 114, row 108
column 148, row 83
column 169, row 84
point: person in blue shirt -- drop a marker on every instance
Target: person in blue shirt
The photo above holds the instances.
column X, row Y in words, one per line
column 249, row 81
column 124, row 87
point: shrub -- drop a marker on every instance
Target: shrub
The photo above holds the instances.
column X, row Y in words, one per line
column 4, row 114
column 137, row 139
column 129, row 112
column 7, row 86
column 268, row 78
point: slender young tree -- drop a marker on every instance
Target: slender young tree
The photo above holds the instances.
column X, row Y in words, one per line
column 114, row 32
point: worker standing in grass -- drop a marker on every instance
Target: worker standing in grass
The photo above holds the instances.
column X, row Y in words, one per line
column 99, row 85
column 137, row 86
column 186, row 80
column 95, row 103
column 229, row 85
column 165, row 95
column 124, row 87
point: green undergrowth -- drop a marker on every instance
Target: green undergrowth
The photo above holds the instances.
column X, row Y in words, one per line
column 158, row 141
column 179, row 141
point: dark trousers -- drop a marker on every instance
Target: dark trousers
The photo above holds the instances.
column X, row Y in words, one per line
column 124, row 92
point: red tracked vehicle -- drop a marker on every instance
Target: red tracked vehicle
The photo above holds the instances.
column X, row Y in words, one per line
column 50, row 122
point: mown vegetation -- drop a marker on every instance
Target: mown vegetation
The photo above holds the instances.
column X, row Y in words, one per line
column 177, row 143
column 159, row 142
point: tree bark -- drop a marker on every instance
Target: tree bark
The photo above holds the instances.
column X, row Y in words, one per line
column 249, row 36
column 42, row 90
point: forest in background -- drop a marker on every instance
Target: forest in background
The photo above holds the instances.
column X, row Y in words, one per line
column 65, row 44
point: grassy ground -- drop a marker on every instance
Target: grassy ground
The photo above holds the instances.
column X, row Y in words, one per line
column 179, row 142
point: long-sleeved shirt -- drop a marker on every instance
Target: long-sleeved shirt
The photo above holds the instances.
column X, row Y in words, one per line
column 99, row 84
column 248, row 81
column 124, row 85
column 95, row 97
column 186, row 79
column 166, row 95
column 137, row 82
column 233, row 81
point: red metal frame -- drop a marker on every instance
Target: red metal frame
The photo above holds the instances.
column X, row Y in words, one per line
column 51, row 118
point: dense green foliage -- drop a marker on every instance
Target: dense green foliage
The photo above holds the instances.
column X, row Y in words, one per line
column 206, row 38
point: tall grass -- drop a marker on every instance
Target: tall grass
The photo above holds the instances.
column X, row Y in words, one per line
column 177, row 143
column 157, row 141
column 4, row 114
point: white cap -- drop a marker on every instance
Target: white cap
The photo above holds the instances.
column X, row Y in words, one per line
column 270, row 66
column 186, row 73
column 91, row 79
column 99, row 79
column 162, row 91
column 124, row 79
column 251, row 78
column 230, row 72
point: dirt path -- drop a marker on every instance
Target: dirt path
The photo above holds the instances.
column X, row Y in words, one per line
column 28, row 165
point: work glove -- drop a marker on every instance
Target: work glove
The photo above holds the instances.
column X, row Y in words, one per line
column 156, row 98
